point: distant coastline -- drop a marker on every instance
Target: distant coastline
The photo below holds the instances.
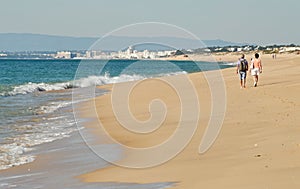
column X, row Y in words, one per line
column 39, row 46
column 199, row 54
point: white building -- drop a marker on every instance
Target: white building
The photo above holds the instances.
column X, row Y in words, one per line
column 231, row 49
column 63, row 54
column 88, row 54
column 239, row 49
column 146, row 54
column 129, row 51
column 289, row 49
column 247, row 48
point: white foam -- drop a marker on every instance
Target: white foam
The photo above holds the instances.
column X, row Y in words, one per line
column 173, row 73
column 56, row 118
column 230, row 63
column 80, row 83
column 15, row 152
column 52, row 107
column 106, row 79
column 83, row 82
column 16, row 177
column 11, row 155
column 33, row 87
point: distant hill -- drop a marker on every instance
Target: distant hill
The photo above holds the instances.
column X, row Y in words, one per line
column 39, row 42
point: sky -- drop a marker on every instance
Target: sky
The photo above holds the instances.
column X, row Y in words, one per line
column 252, row 21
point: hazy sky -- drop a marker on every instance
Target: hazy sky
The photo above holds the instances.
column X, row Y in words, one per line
column 254, row 21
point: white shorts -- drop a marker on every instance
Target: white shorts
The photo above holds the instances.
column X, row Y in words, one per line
column 255, row 71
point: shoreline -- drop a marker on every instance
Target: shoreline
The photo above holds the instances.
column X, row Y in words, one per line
column 166, row 174
column 251, row 162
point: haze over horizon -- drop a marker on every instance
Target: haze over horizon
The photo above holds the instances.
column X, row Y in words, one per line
column 38, row 42
column 133, row 36
column 259, row 22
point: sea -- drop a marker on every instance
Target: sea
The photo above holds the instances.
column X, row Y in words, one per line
column 36, row 116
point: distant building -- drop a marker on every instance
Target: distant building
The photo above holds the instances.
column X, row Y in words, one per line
column 78, row 54
column 289, row 49
column 231, row 49
column 239, row 49
column 88, row 54
column 63, row 54
column 146, row 54
column 247, row 48
column 129, row 50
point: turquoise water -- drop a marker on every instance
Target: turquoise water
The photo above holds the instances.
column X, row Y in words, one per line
column 36, row 98
column 20, row 72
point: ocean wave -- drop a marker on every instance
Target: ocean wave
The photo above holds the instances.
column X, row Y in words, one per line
column 80, row 83
column 35, row 87
column 51, row 107
column 104, row 80
column 84, row 82
column 16, row 152
column 172, row 74
column 229, row 63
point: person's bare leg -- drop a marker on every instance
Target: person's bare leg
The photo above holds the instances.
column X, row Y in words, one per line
column 255, row 80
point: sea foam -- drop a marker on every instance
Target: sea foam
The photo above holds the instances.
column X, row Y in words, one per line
column 80, row 83
column 83, row 82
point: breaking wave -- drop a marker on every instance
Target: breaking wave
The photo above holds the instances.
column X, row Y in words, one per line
column 80, row 83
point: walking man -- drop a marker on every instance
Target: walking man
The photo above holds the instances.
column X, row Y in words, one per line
column 256, row 69
column 242, row 68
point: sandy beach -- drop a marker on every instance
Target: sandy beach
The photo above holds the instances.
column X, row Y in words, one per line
column 230, row 57
column 149, row 95
column 258, row 146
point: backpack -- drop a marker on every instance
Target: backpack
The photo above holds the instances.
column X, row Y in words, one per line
column 243, row 65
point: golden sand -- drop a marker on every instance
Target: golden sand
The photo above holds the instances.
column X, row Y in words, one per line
column 258, row 146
